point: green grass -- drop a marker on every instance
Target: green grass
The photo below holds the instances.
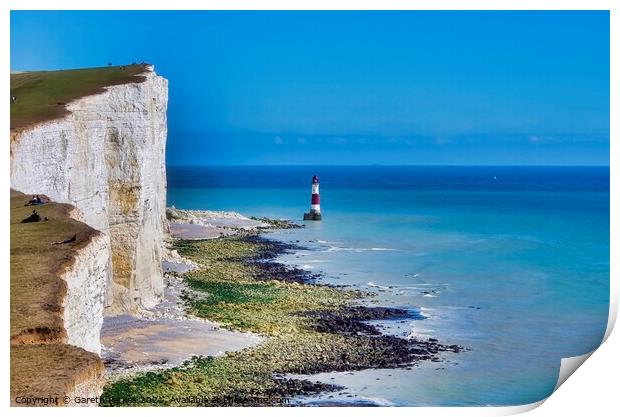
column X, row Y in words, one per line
column 37, row 291
column 43, row 95
column 50, row 370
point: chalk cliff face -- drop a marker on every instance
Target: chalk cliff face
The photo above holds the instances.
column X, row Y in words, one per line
column 107, row 158
column 83, row 304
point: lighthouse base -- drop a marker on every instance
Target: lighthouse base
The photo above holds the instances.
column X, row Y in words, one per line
column 313, row 215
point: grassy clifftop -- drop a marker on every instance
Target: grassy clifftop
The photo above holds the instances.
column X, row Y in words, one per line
column 42, row 365
column 43, row 95
column 45, row 372
column 37, row 291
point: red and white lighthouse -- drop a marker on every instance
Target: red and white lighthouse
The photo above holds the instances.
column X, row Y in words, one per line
column 315, row 202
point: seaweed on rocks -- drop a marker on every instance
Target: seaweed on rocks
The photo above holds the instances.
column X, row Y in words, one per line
column 310, row 327
column 269, row 270
column 351, row 320
column 279, row 223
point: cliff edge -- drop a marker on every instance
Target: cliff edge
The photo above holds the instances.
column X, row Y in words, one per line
column 57, row 292
column 95, row 138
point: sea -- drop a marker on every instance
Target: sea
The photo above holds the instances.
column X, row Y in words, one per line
column 510, row 262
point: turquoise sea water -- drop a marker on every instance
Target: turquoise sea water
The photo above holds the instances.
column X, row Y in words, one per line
column 514, row 268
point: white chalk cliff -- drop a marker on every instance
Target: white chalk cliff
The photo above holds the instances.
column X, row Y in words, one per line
column 86, row 279
column 106, row 158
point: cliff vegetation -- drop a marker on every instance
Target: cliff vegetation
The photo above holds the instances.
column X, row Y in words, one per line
column 42, row 95
column 37, row 291
column 42, row 364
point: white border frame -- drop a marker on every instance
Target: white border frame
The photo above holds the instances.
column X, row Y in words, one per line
column 595, row 382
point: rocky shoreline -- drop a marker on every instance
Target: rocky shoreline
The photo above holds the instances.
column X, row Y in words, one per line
column 308, row 328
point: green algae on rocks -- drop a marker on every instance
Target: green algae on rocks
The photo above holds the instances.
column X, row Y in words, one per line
column 279, row 223
column 311, row 328
column 239, row 296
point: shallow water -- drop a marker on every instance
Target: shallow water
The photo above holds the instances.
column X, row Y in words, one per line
column 514, row 268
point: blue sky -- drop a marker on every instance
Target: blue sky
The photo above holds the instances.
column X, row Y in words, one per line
column 354, row 87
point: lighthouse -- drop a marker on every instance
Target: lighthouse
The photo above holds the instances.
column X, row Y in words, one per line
column 315, row 202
